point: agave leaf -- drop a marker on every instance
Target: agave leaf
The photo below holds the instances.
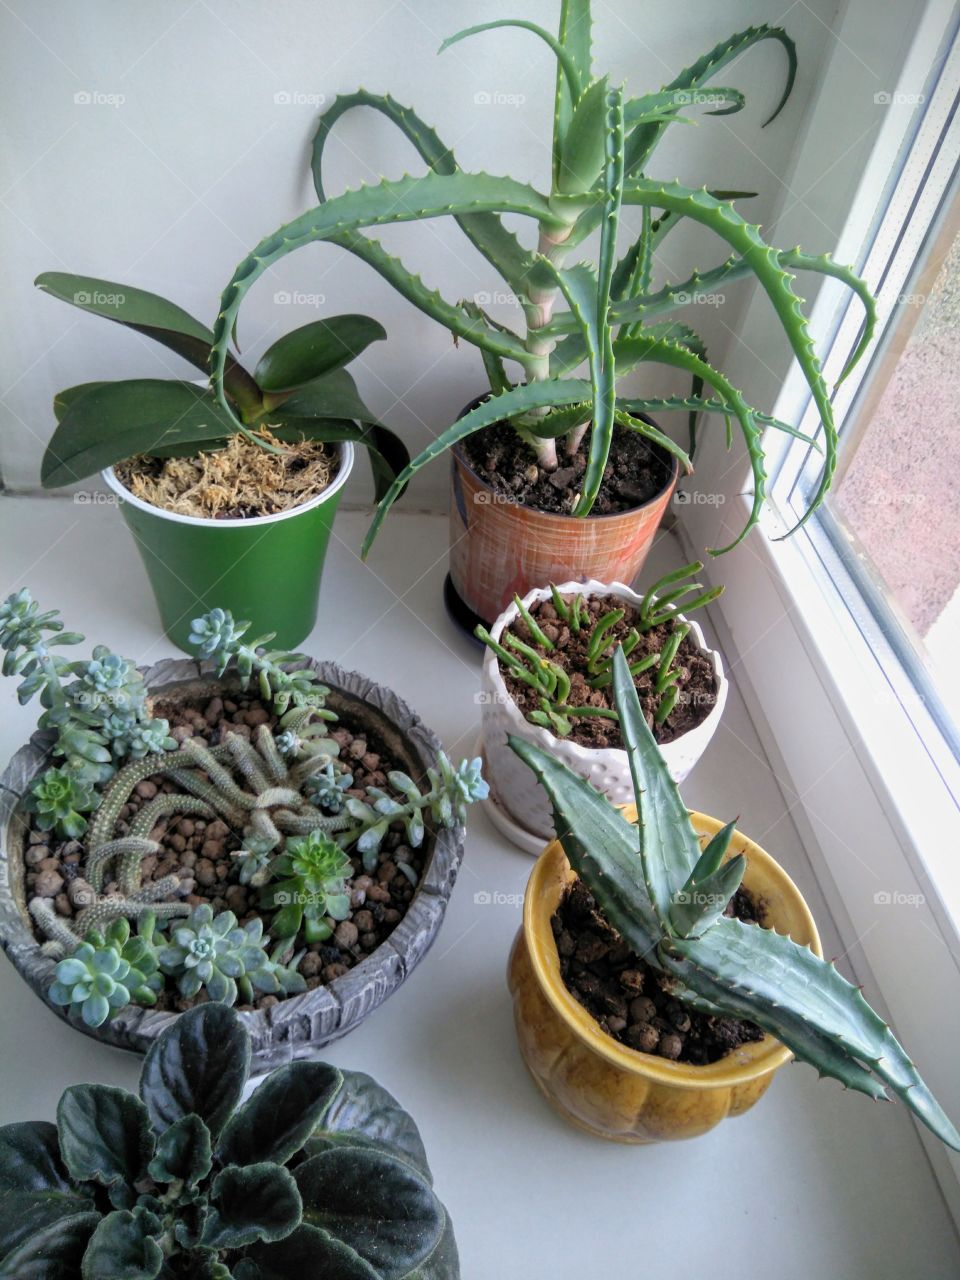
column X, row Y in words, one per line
column 485, row 230
column 567, row 63
column 690, row 403
column 698, row 905
column 654, row 434
column 533, row 395
column 653, row 107
column 114, row 420
column 314, row 350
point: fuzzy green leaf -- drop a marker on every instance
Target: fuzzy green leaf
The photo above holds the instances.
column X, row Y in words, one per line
column 198, row 1067
column 279, row 1117
column 183, row 1153
column 121, row 1247
column 308, row 1251
column 105, row 1137
column 29, row 1214
column 257, row 1202
column 30, row 1158
column 363, row 1109
column 51, row 1252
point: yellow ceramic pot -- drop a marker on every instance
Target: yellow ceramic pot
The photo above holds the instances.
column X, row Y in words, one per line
column 603, row 1086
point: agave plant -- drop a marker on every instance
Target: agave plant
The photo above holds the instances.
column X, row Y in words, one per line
column 300, row 388
column 610, row 315
column 319, row 1172
column 666, row 899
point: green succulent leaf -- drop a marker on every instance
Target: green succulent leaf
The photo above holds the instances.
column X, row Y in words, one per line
column 30, row 1158
column 696, row 907
column 315, row 349
column 568, row 64
column 279, row 1117
column 115, row 420
column 582, row 157
column 257, row 1202
column 105, row 1137
column 574, row 34
column 183, row 1153
column 51, row 1252
column 121, row 1247
column 198, row 1067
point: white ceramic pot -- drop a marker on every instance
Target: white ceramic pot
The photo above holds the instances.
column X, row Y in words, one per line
column 514, row 787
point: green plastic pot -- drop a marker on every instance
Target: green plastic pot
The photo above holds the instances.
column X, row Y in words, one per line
column 266, row 569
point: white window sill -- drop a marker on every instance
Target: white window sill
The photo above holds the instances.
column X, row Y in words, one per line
column 846, row 1183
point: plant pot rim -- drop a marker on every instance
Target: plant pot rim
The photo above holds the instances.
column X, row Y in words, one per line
column 742, row 1065
column 252, row 522
column 592, row 587
column 457, row 451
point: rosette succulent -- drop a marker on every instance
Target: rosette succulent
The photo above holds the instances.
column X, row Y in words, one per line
column 108, row 971
column 310, row 889
column 214, row 954
column 319, row 1172
column 59, row 801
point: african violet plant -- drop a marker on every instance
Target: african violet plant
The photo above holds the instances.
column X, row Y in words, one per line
column 611, row 313
column 300, row 389
column 284, row 795
column 319, row 1173
column 663, row 603
column 666, row 899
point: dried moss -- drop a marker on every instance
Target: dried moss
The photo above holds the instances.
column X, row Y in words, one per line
column 239, row 481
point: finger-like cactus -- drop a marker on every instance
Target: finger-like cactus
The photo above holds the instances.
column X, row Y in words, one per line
column 665, row 897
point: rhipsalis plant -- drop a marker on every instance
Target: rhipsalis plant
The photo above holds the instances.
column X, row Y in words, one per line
column 670, row 596
column 95, row 708
column 666, row 898
column 608, row 313
column 300, row 389
column 319, row 1172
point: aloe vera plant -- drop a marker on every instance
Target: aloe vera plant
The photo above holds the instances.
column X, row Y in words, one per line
column 320, row 1172
column 300, row 389
column 605, row 314
column 666, row 899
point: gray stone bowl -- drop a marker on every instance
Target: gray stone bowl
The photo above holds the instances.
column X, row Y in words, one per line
column 298, row 1026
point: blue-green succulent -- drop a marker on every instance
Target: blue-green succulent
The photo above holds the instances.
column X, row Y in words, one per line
column 213, row 953
column 108, row 971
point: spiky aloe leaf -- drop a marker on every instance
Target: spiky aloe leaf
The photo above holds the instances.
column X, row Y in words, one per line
column 485, row 230
column 567, row 63
column 771, row 973
column 668, row 844
column 574, row 35
column 404, row 200
column 601, row 846
column 650, row 432
column 584, row 151
column 492, row 363
column 533, row 395
column 694, row 403
column 652, row 108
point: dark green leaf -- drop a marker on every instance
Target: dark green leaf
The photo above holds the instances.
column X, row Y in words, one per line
column 198, row 1066
column 105, row 1137
column 30, row 1158
column 275, row 1122
column 364, row 1108
column 308, row 1252
column 53, row 1252
column 183, row 1153
column 65, row 398
column 314, row 350
column 334, row 395
column 26, row 1214
column 120, row 1248
column 382, row 1208
column 115, row 420
column 258, row 1202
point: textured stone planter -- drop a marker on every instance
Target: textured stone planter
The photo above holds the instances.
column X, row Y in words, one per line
column 514, row 788
column 299, row 1025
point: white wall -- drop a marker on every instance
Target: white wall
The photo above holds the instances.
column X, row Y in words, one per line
column 196, row 160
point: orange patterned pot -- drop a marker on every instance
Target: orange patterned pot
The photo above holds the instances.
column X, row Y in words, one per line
column 499, row 547
column 601, row 1085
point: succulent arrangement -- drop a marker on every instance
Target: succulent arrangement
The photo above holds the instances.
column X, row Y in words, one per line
column 666, row 899
column 670, row 596
column 606, row 314
column 285, row 796
column 300, row 389
column 320, row 1171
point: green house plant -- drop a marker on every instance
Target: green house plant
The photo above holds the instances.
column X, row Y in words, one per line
column 665, row 897
column 250, row 845
column 257, row 552
column 319, row 1173
column 606, row 314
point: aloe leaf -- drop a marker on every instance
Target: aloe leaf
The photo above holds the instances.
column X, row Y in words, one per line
column 533, row 395
column 485, row 230
column 647, row 429
column 777, row 973
column 565, row 59
column 403, row 200
column 492, row 362
column 586, row 822
column 115, row 420
column 315, row 349
column 690, row 403
column 652, row 107
column 574, row 35
column 584, row 145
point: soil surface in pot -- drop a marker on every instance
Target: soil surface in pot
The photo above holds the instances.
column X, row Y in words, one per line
column 697, row 683
column 199, row 851
column 238, row 481
column 631, row 1001
column 636, row 471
